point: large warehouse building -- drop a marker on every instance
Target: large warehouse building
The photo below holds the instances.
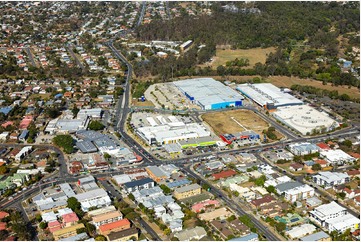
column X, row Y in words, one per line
column 305, row 119
column 209, row 93
column 268, row 95
column 171, row 131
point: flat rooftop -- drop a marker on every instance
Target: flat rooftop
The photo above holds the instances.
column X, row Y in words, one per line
column 304, row 118
column 207, row 91
column 263, row 93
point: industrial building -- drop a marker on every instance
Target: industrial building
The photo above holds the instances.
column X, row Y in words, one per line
column 209, row 93
column 305, row 119
column 268, row 95
column 170, row 132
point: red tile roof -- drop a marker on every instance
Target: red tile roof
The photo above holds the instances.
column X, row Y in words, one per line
column 296, row 165
column 354, row 155
column 347, row 190
column 224, row 174
column 2, row 226
column 266, row 199
column 323, row 146
column 3, row 214
column 110, row 226
column 70, row 217
column 357, row 198
column 353, row 172
column 321, row 162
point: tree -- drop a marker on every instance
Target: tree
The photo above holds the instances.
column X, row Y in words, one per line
column 100, row 238
column 167, row 231
column 3, row 169
column 64, row 141
column 280, row 226
column 131, row 197
column 73, row 203
column 75, row 110
column 96, row 125
column 165, row 189
column 132, row 216
column 260, row 181
column 107, row 156
column 81, row 230
column 271, row 189
column 43, row 225
column 90, row 228
column 38, row 218
column 316, row 167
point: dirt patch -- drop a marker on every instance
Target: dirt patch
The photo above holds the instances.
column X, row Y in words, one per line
column 190, row 223
column 254, row 56
column 234, row 121
column 142, row 104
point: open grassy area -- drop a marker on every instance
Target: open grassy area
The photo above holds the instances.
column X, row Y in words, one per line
column 253, row 55
column 285, row 81
column 226, row 122
column 147, row 103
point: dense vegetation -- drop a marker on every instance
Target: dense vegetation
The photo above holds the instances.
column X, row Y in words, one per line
column 64, row 141
column 278, row 23
column 302, row 31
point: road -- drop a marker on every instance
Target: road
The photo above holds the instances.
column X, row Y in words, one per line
column 70, row 47
column 141, row 16
column 27, row 49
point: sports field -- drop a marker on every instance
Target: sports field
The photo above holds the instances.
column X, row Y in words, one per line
column 235, row 121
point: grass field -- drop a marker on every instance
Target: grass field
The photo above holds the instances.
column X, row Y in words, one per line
column 224, row 122
column 253, row 55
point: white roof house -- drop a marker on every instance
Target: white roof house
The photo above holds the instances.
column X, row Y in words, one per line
column 23, row 152
column 300, row 231
column 336, row 156
column 48, row 217
column 121, row 179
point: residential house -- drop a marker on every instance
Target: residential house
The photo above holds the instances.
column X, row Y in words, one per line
column 67, row 232
column 69, row 219
column 116, row 226
column 224, row 174
column 191, row 234
column 296, row 167
column 124, row 235
column 105, row 218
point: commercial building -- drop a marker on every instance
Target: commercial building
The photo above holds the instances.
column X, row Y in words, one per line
column 338, row 157
column 93, row 198
column 209, row 93
column 172, row 132
column 67, row 232
column 267, row 95
column 67, row 125
column 116, row 226
column 187, row 191
column 94, row 113
column 332, row 216
column 303, row 148
column 329, row 179
column 305, row 119
column 132, row 186
column 248, row 135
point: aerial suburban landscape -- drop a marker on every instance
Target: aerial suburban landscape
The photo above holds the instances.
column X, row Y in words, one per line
column 180, row 121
